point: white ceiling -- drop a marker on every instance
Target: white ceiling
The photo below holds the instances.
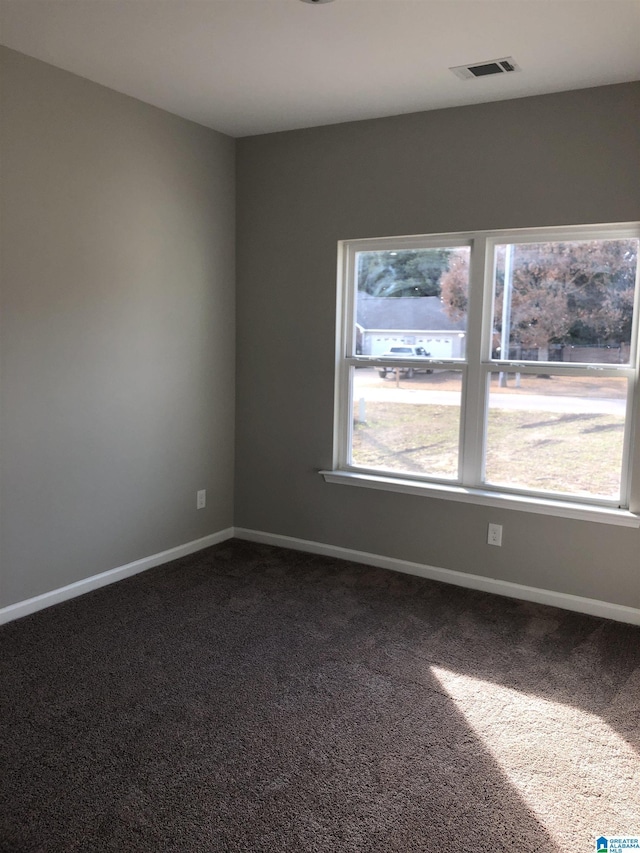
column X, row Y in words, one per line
column 254, row 66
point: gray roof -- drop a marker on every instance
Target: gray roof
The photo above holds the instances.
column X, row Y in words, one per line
column 419, row 313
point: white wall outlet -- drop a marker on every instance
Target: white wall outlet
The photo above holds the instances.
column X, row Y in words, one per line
column 201, row 499
column 494, row 536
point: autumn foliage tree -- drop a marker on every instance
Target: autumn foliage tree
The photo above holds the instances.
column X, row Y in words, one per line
column 562, row 293
column 454, row 285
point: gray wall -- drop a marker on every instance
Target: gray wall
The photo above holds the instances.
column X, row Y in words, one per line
column 557, row 159
column 117, row 325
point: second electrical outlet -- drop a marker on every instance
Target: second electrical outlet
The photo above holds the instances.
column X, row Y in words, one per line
column 201, row 499
column 494, row 536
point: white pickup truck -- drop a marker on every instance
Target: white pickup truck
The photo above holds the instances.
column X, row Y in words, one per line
column 406, row 353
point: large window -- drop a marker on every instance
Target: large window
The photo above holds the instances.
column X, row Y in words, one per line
column 502, row 362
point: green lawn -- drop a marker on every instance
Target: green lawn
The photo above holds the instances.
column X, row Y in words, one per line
column 532, row 450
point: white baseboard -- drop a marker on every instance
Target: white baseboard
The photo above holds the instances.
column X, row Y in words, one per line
column 591, row 606
column 39, row 602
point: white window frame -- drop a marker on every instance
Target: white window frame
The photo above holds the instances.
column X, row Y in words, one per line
column 475, row 369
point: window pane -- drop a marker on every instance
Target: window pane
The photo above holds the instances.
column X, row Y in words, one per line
column 565, row 301
column 556, row 433
column 407, row 422
column 415, row 297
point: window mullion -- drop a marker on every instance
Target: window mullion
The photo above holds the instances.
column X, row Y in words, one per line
column 632, row 386
column 475, row 394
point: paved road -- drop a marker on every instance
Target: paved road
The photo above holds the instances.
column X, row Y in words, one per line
column 519, row 402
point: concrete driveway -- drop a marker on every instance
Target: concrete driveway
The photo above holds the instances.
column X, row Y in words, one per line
column 502, row 400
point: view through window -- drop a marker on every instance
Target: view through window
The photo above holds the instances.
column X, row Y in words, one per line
column 501, row 361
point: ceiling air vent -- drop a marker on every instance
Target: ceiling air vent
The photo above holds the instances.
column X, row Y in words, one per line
column 485, row 69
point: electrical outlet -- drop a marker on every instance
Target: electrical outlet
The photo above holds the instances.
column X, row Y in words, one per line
column 494, row 536
column 201, row 499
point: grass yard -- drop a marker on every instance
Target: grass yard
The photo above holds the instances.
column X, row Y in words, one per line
column 550, row 451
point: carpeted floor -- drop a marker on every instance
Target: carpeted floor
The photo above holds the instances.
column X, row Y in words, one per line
column 249, row 698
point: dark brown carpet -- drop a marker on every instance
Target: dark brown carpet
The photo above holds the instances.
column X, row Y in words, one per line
column 250, row 698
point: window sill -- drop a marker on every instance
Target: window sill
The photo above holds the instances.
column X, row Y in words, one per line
column 561, row 509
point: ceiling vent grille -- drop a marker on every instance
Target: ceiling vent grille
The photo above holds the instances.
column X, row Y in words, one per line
column 486, row 69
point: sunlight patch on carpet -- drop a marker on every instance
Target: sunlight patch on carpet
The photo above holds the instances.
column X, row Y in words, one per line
column 573, row 771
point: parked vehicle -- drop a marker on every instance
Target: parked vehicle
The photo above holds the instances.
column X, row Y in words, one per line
column 406, row 353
